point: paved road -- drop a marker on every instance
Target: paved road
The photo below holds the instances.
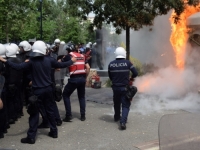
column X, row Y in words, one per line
column 98, row 132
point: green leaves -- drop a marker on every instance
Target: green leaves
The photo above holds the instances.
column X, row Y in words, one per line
column 19, row 21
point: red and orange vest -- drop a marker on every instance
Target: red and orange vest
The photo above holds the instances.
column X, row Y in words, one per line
column 79, row 66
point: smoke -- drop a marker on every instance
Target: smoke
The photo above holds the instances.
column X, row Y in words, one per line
column 152, row 44
column 168, row 88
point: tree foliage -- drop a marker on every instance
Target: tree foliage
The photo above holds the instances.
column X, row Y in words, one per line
column 12, row 15
column 20, row 20
column 127, row 14
column 122, row 13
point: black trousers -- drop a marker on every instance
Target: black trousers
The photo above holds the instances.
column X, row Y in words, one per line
column 45, row 99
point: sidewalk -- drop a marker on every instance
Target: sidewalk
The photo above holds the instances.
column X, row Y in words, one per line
column 98, row 132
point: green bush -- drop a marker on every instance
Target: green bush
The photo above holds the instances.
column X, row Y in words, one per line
column 138, row 65
column 108, row 83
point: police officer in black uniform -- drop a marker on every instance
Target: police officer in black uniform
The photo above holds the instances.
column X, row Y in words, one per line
column 26, row 91
column 40, row 65
column 13, row 79
column 118, row 71
column 3, row 107
column 44, row 123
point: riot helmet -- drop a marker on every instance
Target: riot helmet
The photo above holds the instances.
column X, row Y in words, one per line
column 57, row 41
column 90, row 44
column 11, row 50
column 2, row 50
column 87, row 46
column 25, row 45
column 39, row 49
column 120, row 52
column 62, row 42
column 15, row 46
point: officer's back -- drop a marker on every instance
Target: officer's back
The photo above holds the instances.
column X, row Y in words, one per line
column 12, row 75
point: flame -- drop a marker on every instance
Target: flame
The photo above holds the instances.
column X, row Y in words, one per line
column 179, row 34
column 144, row 83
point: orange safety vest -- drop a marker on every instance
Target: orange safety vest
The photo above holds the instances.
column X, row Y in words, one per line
column 79, row 66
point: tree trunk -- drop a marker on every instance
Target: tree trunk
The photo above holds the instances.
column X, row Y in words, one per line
column 127, row 42
column 7, row 36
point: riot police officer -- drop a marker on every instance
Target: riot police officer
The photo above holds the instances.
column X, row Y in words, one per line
column 55, row 46
column 78, row 73
column 40, row 66
column 57, row 90
column 118, row 71
column 13, row 79
column 3, row 107
column 25, row 50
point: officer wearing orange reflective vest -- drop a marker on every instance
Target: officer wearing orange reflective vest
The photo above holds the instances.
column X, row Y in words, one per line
column 78, row 73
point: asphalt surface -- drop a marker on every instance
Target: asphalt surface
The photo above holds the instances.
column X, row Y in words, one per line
column 97, row 132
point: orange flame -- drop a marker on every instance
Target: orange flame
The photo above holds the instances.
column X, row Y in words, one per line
column 179, row 34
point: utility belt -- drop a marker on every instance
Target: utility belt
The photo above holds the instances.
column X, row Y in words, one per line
column 37, row 88
column 78, row 75
column 119, row 85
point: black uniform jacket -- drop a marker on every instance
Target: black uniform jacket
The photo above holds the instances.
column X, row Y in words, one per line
column 119, row 70
column 40, row 68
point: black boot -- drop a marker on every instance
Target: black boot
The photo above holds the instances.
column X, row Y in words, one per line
column 123, row 126
column 59, row 122
column 83, row 118
column 28, row 140
column 53, row 135
column 67, row 119
column 11, row 121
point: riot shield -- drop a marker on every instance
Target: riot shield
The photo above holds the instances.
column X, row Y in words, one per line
column 2, row 81
column 62, row 51
column 60, row 72
column 59, row 76
column 179, row 132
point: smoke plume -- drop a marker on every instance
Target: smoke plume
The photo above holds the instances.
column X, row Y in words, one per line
column 168, row 88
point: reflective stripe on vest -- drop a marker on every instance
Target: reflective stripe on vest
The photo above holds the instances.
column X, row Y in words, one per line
column 79, row 66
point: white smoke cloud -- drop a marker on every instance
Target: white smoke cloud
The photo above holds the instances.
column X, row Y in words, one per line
column 168, row 82
column 146, row 104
